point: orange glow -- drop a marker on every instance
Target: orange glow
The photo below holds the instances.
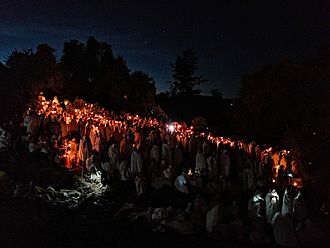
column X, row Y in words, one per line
column 93, row 114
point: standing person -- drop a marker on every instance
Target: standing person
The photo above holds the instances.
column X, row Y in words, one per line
column 84, row 152
column 123, row 170
column 248, row 178
column 272, row 203
column 212, row 166
column 283, row 230
column 136, row 162
column 225, row 164
column 287, row 206
column 125, row 148
column 139, row 184
column 113, row 155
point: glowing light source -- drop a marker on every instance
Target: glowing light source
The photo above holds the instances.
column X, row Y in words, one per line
column 171, row 128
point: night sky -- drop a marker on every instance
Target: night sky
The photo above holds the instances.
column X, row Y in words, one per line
column 229, row 37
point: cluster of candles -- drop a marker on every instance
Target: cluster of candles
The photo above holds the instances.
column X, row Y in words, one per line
column 92, row 113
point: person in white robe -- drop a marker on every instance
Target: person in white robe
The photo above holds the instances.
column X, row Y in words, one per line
column 139, row 185
column 123, row 170
column 213, row 217
column 283, row 230
column 247, row 178
column 225, row 164
column 254, row 205
column 181, row 183
column 108, row 169
column 272, row 203
column 136, row 162
column 113, row 155
column 212, row 166
column 84, row 150
column 287, row 206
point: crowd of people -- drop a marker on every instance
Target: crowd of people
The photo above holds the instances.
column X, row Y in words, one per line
column 227, row 179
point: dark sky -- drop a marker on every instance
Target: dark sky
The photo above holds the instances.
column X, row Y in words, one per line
column 229, row 37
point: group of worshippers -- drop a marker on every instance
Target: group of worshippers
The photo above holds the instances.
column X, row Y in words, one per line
column 285, row 216
column 191, row 164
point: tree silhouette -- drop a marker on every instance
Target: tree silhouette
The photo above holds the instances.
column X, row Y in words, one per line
column 184, row 74
column 93, row 73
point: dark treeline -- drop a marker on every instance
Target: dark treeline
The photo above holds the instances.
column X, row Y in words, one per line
column 288, row 104
column 89, row 71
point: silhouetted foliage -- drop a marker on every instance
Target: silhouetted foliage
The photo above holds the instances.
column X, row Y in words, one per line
column 185, row 81
column 26, row 74
column 92, row 72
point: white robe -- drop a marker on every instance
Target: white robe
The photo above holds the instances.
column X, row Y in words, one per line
column 287, row 206
column 83, row 152
column 136, row 163
column 27, row 121
column 254, row 205
column 212, row 218
column 272, row 203
column 113, row 155
column 139, row 185
column 94, row 136
column 123, row 170
column 212, row 166
column 180, row 184
column 283, row 230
